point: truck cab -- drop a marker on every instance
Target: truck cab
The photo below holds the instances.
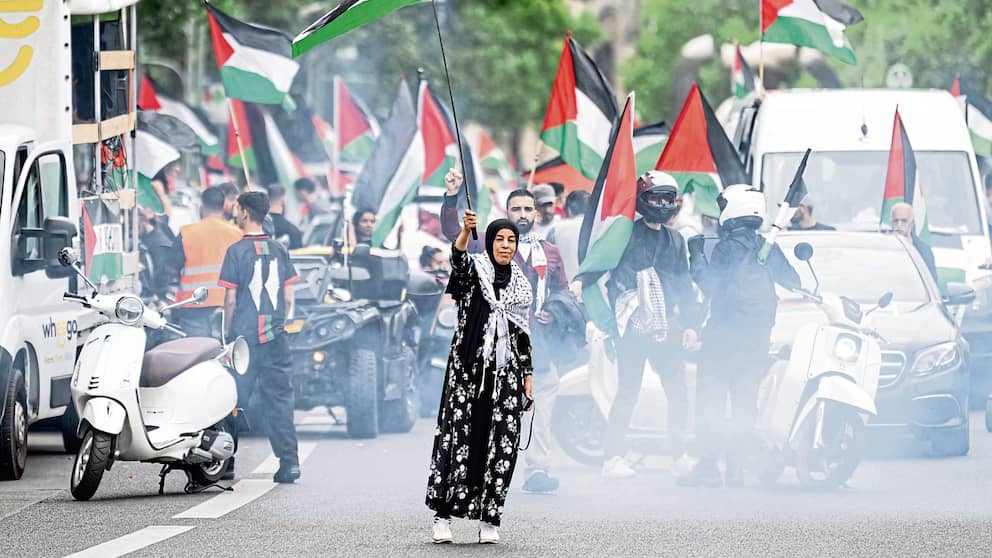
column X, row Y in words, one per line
column 66, row 111
column 850, row 133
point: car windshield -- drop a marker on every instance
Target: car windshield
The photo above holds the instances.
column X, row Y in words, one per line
column 846, row 187
column 861, row 273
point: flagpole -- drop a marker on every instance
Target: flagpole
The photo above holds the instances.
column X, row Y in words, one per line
column 761, row 48
column 454, row 114
column 336, row 150
column 241, row 147
column 533, row 166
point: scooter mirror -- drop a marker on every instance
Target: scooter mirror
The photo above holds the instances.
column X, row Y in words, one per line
column 885, row 300
column 68, row 257
column 199, row 295
column 803, row 251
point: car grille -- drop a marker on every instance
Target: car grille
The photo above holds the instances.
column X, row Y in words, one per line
column 893, row 363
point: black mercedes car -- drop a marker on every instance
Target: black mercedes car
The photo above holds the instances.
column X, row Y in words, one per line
column 924, row 381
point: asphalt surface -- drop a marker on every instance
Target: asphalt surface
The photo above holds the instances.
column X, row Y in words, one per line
column 365, row 498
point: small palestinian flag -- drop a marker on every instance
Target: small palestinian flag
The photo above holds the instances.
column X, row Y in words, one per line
column 256, row 63
column 288, row 165
column 103, row 239
column 978, row 114
column 817, row 24
column 580, row 112
column 649, row 142
column 491, row 157
column 150, row 99
column 356, row 127
column 153, row 155
column 607, row 226
column 743, row 80
column 793, row 199
column 700, row 156
column 441, row 149
column 902, row 183
column 393, row 173
column 561, row 172
column 347, row 16
column 243, row 132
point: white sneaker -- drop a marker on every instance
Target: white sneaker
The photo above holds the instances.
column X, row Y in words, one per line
column 617, row 468
column 442, row 531
column 488, row 534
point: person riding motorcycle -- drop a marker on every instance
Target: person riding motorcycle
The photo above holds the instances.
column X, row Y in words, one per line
column 651, row 280
column 736, row 338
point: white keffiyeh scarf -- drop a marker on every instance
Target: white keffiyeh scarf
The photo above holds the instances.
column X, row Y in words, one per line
column 513, row 306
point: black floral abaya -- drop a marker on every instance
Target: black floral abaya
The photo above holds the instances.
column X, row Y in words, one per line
column 478, row 423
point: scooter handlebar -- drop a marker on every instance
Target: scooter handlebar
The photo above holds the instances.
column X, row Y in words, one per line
column 174, row 330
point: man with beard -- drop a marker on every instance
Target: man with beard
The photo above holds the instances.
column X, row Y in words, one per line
column 803, row 219
column 542, row 264
column 651, row 280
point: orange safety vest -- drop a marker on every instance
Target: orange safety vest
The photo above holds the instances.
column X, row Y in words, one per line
column 205, row 245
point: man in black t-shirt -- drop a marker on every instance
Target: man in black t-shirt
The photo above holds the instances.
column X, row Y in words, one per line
column 257, row 273
column 803, row 219
column 283, row 228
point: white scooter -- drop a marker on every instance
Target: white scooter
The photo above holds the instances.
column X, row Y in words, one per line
column 814, row 403
column 175, row 404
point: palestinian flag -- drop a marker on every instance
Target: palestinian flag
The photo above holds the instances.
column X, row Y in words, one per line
column 326, row 135
column 103, row 238
column 288, row 165
column 441, row 149
column 649, row 142
column 356, row 127
column 817, row 24
column 256, row 63
column 700, row 156
column 902, row 184
column 234, row 152
column 394, row 171
column 743, row 81
column 347, row 16
column 214, row 172
column 153, row 154
column 150, row 99
column 978, row 114
column 492, row 158
column 580, row 112
column 556, row 170
column 607, row 227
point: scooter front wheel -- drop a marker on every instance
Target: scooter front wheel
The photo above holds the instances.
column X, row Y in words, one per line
column 91, row 461
column 833, row 463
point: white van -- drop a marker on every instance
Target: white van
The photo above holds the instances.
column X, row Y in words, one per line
column 850, row 132
column 61, row 98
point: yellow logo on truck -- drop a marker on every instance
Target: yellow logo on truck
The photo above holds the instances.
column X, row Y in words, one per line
column 19, row 30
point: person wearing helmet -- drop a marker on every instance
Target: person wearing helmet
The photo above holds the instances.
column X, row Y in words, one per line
column 649, row 283
column 736, row 338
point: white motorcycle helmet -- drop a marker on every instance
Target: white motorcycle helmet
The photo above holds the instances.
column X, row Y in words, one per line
column 741, row 205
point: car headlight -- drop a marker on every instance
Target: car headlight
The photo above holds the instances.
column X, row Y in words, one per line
column 129, row 310
column 847, row 348
column 448, row 317
column 936, row 359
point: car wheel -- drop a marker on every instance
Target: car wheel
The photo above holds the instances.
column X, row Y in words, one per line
column 69, row 425
column 578, row 427
column 363, row 394
column 14, row 429
column 951, row 443
column 399, row 415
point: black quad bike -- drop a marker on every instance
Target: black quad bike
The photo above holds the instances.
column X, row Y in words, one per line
column 355, row 340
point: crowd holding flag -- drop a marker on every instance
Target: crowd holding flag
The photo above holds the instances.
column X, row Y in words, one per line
column 902, row 183
column 817, row 24
column 581, row 111
column 700, row 156
column 608, row 224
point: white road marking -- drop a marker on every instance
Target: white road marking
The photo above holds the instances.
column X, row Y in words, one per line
column 133, row 541
column 245, row 491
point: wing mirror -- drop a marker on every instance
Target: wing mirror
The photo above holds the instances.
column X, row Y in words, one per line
column 199, row 295
column 885, row 301
column 68, row 257
column 959, row 294
column 803, row 251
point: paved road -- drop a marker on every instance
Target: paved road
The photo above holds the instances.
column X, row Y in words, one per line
column 365, row 499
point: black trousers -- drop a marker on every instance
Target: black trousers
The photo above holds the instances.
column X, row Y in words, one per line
column 732, row 365
column 269, row 372
column 195, row 322
column 666, row 359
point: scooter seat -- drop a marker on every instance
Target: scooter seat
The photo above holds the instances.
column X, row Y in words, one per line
column 172, row 358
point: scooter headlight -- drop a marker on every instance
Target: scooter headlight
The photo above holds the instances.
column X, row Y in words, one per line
column 129, row 310
column 847, row 348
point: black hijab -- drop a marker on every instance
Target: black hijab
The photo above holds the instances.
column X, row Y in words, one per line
column 503, row 272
